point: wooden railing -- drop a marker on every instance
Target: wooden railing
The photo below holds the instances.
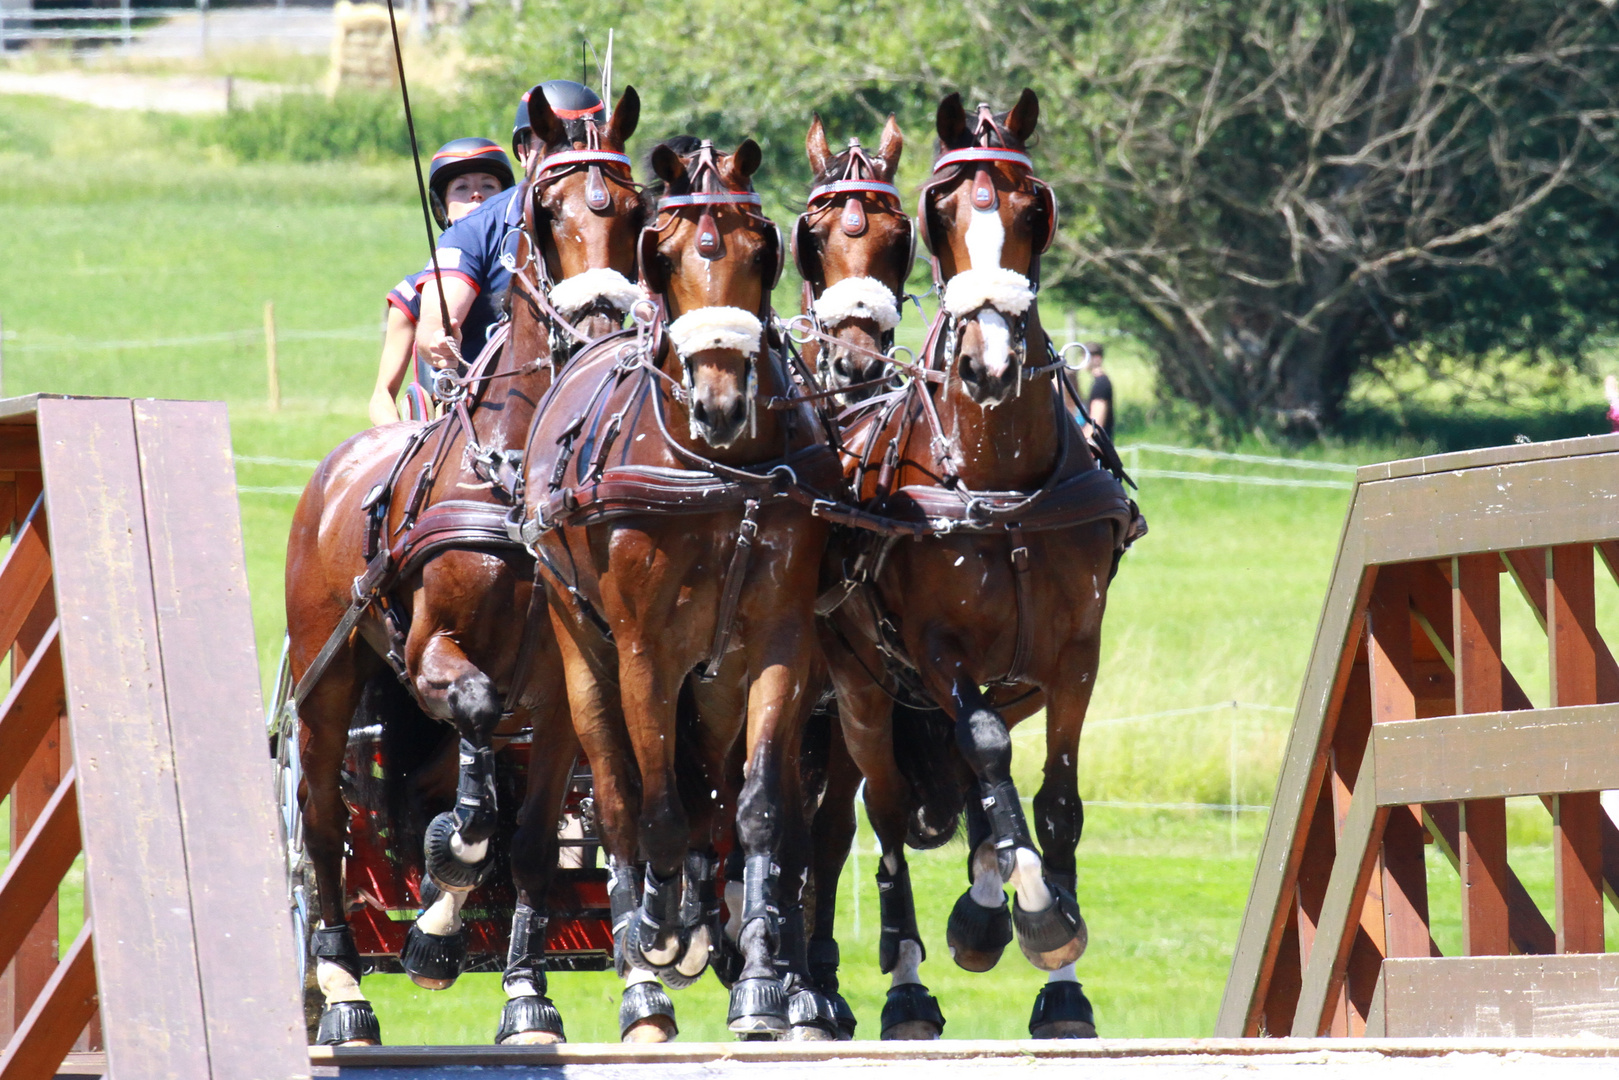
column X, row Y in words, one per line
column 1411, row 729
column 132, row 731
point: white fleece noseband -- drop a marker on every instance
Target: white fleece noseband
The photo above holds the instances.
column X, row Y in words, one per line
column 716, row 328
column 1004, row 290
column 573, row 295
column 857, row 298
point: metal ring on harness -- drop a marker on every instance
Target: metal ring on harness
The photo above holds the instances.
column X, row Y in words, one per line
column 783, row 477
column 800, row 329
column 448, row 387
column 893, row 354
column 1083, row 364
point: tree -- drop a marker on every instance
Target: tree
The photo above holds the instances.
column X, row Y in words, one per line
column 1279, row 191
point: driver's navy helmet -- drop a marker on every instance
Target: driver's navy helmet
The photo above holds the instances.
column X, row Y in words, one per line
column 458, row 157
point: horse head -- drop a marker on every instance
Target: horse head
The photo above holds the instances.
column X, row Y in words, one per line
column 854, row 245
column 712, row 258
column 987, row 219
column 584, row 214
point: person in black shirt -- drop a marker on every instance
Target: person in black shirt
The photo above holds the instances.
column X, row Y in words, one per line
column 1100, row 401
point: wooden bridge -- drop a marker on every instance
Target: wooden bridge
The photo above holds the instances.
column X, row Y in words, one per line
column 132, row 731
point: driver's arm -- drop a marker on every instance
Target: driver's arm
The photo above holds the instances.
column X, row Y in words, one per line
column 396, row 349
column 431, row 338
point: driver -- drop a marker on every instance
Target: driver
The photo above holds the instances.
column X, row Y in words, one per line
column 464, row 174
column 469, row 251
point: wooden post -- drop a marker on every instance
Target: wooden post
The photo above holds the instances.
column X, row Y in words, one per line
column 1577, row 833
column 272, row 370
column 1482, row 823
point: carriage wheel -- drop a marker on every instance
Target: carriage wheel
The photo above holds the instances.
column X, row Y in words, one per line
column 282, row 723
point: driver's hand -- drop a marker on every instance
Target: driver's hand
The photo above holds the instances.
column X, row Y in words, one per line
column 444, row 351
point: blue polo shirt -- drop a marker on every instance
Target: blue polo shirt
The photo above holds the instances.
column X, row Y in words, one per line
column 470, row 250
column 407, row 297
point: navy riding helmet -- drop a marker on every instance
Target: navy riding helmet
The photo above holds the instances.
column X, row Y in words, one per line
column 458, row 157
column 571, row 102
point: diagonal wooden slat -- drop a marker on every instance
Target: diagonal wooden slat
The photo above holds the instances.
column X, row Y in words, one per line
column 31, row 707
column 1346, row 892
column 23, row 576
column 58, row 1015
column 37, row 866
column 1531, row 933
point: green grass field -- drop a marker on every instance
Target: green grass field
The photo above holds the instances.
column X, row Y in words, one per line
column 140, row 265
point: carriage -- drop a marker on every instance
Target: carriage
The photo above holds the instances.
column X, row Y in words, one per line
column 383, row 871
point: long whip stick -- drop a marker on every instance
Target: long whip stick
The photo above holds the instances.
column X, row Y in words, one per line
column 421, row 185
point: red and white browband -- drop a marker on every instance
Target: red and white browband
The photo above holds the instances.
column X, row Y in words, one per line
column 564, row 158
column 482, row 151
column 982, row 153
column 839, row 187
column 717, row 198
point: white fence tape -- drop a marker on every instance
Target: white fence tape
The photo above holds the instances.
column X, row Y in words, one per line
column 1252, row 459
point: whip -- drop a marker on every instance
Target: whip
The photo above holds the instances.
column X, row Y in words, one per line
column 421, row 185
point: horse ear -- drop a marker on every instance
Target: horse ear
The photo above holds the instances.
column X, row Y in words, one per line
column 548, row 128
column 951, row 121
column 666, row 164
column 820, row 154
column 1024, row 115
column 890, row 147
column 626, row 114
column 747, row 158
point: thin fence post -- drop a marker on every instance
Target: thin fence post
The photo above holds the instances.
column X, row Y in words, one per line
column 272, row 371
column 1232, row 765
column 202, row 20
column 124, row 12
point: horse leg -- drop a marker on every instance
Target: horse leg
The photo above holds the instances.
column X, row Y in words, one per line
column 457, row 843
column 650, row 690
column 346, row 1016
column 645, row 1014
column 1062, row 1011
column 529, row 1017
column 779, row 661
column 1045, row 915
column 833, row 834
column 909, row 1012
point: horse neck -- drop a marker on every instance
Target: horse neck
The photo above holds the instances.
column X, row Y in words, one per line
column 504, row 410
column 1014, row 445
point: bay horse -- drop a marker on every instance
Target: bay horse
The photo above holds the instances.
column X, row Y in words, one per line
column 1000, row 582
column 669, row 483
column 853, row 246
column 400, row 565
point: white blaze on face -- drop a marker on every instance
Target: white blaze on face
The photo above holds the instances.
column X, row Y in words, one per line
column 986, row 236
column 997, row 338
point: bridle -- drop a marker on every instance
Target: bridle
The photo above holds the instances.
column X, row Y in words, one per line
column 948, row 169
column 600, row 166
column 707, row 190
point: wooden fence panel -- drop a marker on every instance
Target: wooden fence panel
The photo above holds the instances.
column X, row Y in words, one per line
column 146, row 958
column 238, row 882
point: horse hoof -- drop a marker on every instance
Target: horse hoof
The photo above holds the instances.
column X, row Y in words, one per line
column 812, row 1016
column 529, row 1020
column 758, row 1007
column 977, row 935
column 694, row 952
column 1055, row 937
column 656, row 1029
column 843, row 1016
column 447, row 871
column 646, row 1014
column 911, row 1013
column 1062, row 1012
column 348, row 1023
column 433, row 961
